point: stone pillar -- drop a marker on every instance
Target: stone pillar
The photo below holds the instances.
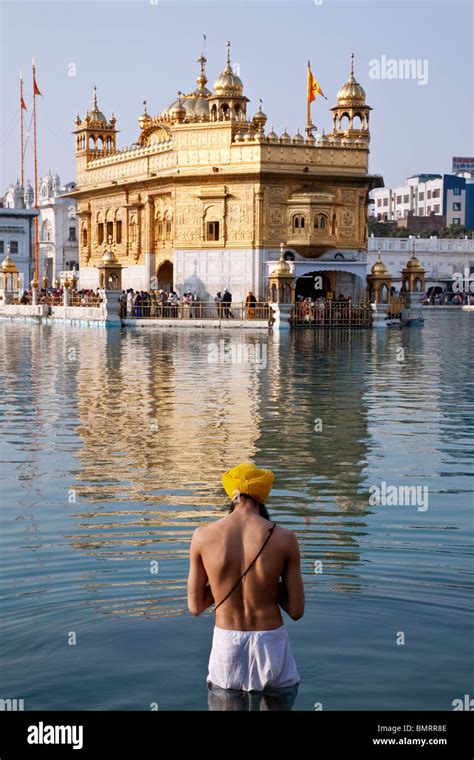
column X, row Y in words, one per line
column 66, row 297
column 34, row 296
column 111, row 307
column 379, row 314
column 281, row 315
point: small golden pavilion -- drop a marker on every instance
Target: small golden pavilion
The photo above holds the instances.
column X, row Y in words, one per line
column 206, row 195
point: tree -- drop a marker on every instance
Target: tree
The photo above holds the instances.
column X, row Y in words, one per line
column 379, row 229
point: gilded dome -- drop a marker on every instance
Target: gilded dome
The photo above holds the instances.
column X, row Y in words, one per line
column 282, row 267
column 414, row 264
column 379, row 269
column 298, row 138
column 260, row 118
column 96, row 116
column 145, row 118
column 109, row 258
column 228, row 84
column 351, row 93
column 272, row 136
column 285, row 137
column 8, row 266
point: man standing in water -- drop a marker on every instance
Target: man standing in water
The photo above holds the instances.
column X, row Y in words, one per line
column 238, row 562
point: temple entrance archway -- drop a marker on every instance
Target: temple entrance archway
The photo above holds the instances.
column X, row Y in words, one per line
column 313, row 285
column 164, row 276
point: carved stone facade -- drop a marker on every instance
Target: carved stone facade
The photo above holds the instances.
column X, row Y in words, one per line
column 207, row 191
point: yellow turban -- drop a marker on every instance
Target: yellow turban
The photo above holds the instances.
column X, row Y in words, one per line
column 247, row 478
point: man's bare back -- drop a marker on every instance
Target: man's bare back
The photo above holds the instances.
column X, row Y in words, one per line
column 222, row 551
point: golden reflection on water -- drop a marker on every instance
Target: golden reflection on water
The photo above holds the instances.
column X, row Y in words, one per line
column 158, row 425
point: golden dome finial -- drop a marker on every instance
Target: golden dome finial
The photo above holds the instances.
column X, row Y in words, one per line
column 282, row 267
column 228, row 84
column 351, row 92
column 95, row 107
column 202, row 78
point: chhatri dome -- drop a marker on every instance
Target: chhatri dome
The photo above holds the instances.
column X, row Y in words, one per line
column 94, row 114
column 351, row 93
column 379, row 267
column 228, row 84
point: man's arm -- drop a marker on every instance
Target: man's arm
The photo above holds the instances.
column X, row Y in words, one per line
column 199, row 592
column 291, row 595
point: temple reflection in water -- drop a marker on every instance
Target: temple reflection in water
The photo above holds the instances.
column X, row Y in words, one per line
column 159, row 425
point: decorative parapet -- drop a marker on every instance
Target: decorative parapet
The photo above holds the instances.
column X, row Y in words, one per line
column 433, row 244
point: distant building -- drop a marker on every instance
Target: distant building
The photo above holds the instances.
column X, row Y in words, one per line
column 17, row 231
column 442, row 258
column 58, row 245
column 427, row 195
column 58, row 228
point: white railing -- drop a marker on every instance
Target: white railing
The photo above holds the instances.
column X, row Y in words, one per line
column 422, row 245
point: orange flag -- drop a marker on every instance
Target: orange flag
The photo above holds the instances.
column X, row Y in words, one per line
column 36, row 90
column 313, row 86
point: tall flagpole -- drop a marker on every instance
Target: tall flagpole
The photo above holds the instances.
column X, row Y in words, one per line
column 22, row 173
column 308, row 104
column 36, row 176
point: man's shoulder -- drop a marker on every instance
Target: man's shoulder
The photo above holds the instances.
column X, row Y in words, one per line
column 206, row 530
column 285, row 534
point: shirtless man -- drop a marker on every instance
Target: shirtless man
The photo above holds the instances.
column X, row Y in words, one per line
column 250, row 648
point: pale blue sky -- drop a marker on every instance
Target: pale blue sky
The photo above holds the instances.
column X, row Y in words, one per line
column 136, row 50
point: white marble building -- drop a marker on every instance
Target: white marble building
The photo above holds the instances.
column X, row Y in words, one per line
column 58, row 246
column 17, row 236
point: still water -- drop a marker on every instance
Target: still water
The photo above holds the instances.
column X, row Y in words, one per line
column 113, row 446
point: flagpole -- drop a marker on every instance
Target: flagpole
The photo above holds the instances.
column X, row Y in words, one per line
column 22, row 173
column 308, row 107
column 36, row 175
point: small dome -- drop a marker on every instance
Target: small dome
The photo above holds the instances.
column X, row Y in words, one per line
column 177, row 111
column 8, row 266
column 109, row 258
column 272, row 136
column 95, row 115
column 228, row 84
column 285, row 137
column 414, row 264
column 298, row 138
column 379, row 267
column 260, row 118
column 351, row 93
column 145, row 118
column 282, row 267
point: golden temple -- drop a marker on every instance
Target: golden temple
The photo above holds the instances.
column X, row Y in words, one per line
column 204, row 197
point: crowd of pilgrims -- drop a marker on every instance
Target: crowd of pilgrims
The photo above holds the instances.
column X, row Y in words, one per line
column 159, row 303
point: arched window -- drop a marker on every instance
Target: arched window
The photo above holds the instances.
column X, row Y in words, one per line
column 46, row 232
column 357, row 122
column 84, row 236
column 344, row 122
column 298, row 222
